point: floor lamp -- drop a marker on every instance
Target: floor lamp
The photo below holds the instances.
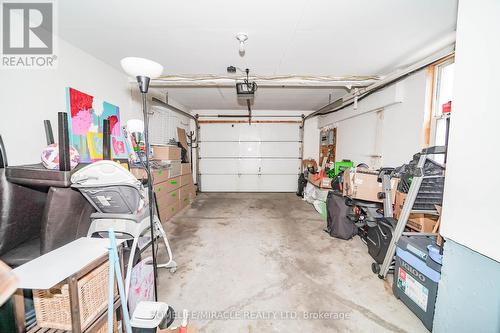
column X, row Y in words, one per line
column 144, row 70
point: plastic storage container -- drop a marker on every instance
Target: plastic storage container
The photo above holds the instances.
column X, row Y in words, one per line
column 416, row 276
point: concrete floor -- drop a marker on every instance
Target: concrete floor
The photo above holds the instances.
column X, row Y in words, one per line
column 260, row 262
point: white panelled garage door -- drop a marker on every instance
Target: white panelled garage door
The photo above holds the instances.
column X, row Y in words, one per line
column 238, row 157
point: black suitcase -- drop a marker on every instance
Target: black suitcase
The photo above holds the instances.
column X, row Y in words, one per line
column 338, row 225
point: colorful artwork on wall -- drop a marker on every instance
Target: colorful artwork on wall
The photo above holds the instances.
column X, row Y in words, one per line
column 86, row 126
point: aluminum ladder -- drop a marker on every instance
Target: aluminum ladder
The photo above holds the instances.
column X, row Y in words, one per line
column 408, row 207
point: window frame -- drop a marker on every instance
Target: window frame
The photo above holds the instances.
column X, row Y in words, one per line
column 435, row 112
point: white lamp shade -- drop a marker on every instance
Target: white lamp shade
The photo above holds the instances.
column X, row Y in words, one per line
column 134, row 67
column 135, row 126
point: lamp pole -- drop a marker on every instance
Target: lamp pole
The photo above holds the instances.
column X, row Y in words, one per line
column 143, row 70
column 143, row 82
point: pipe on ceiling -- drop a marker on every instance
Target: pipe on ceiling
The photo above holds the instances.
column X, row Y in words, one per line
column 245, row 115
column 361, row 93
column 303, row 85
column 290, row 81
column 173, row 108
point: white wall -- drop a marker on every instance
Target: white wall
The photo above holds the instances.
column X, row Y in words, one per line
column 30, row 96
column 387, row 127
column 311, row 139
column 470, row 216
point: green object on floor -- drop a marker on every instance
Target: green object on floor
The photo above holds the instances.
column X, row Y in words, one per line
column 323, row 210
column 320, row 207
column 338, row 167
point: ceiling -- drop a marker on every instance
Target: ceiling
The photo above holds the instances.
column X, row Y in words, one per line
column 300, row 37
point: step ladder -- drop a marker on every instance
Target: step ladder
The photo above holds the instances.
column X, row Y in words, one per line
column 412, row 205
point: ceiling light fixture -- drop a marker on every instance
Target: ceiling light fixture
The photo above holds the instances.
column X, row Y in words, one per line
column 242, row 38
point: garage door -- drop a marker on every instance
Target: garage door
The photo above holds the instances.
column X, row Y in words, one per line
column 238, row 157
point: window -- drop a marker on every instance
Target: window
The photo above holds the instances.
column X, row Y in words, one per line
column 442, row 103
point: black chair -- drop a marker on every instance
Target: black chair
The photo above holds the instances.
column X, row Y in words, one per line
column 39, row 210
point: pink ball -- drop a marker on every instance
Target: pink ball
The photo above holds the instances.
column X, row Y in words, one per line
column 50, row 156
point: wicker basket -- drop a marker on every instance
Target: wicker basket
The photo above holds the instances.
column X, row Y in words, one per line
column 52, row 307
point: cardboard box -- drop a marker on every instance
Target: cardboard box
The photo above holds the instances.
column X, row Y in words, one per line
column 310, row 163
column 186, row 180
column 166, row 153
column 322, row 182
column 139, row 173
column 185, row 202
column 362, row 184
column 422, row 222
column 159, row 175
column 184, row 191
column 167, row 186
column 187, row 195
column 315, row 182
column 185, row 168
column 416, row 221
column 168, row 198
column 192, row 192
column 326, row 182
column 399, row 201
column 167, row 212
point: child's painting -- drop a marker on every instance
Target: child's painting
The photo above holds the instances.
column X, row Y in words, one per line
column 86, row 126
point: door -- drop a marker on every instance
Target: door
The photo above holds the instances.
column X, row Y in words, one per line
column 238, row 157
